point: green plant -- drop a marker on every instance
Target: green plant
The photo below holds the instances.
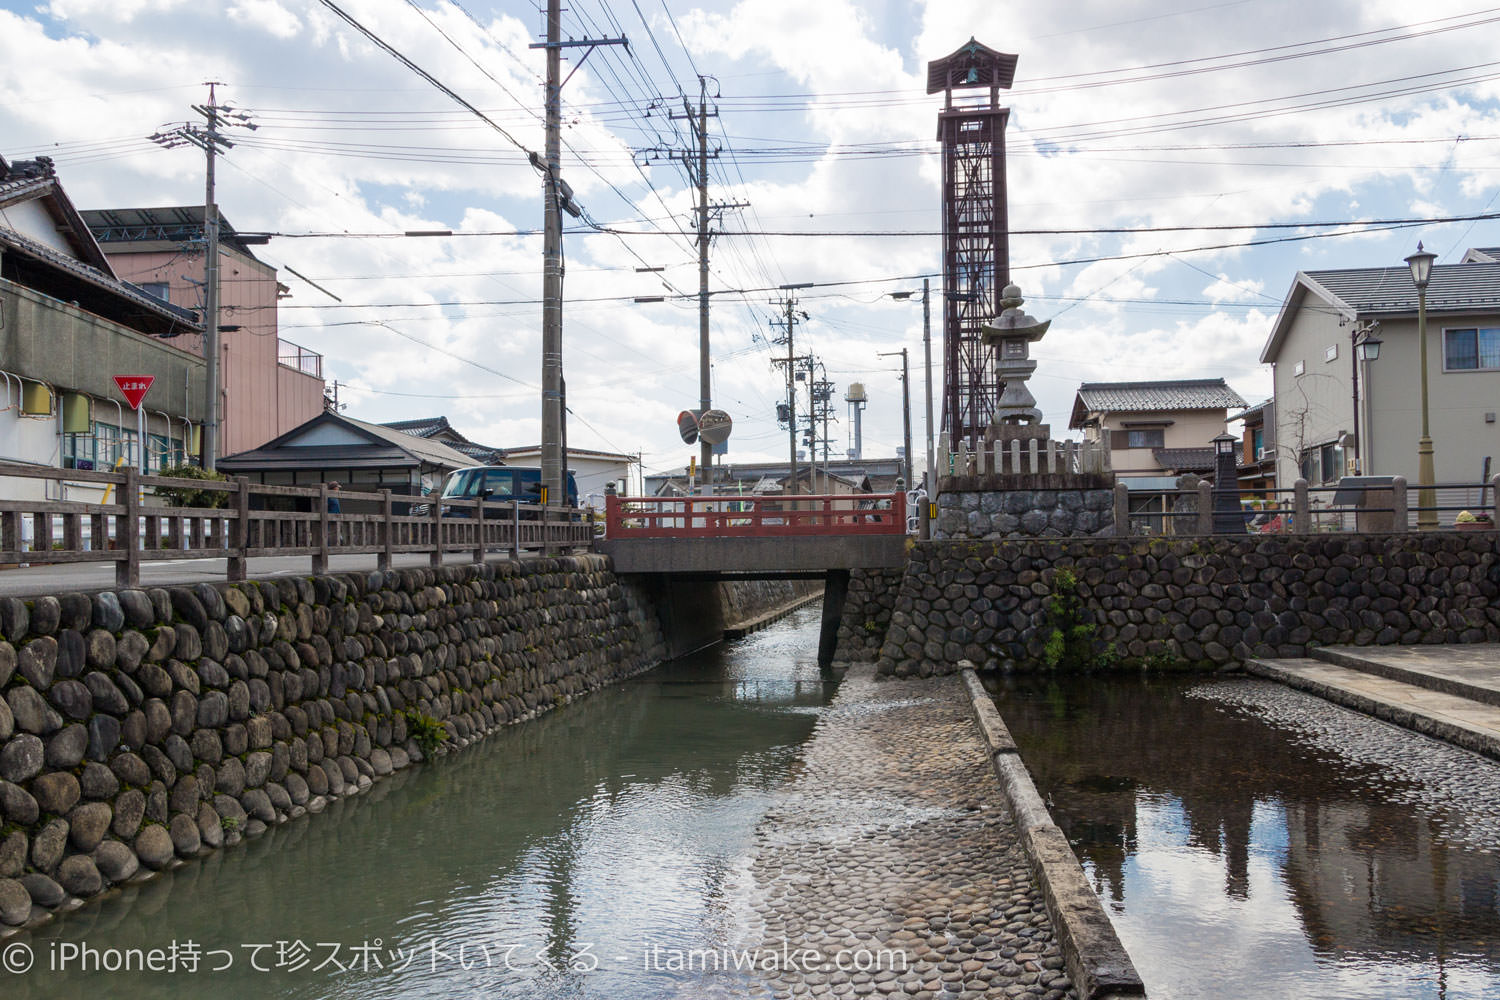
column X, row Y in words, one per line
column 427, row 731
column 187, row 496
column 1070, row 639
column 872, row 627
column 229, row 824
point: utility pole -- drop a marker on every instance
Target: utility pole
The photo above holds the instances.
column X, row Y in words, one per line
column 931, row 477
column 208, row 138
column 557, row 198
column 696, row 163
column 905, row 411
column 790, row 364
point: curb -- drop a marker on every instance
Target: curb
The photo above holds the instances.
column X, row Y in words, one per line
column 1395, row 713
column 1096, row 960
column 741, row 629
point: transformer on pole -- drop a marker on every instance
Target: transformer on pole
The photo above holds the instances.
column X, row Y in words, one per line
column 976, row 230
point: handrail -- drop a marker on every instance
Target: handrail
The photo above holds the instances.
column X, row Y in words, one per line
column 754, row 516
column 40, row 532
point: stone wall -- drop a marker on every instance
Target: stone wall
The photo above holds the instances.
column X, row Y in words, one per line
column 1024, row 506
column 144, row 726
column 1206, row 602
column 867, row 614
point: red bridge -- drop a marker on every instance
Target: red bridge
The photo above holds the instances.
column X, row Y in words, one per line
column 755, row 536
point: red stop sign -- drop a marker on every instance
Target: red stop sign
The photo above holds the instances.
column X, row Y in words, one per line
column 134, row 387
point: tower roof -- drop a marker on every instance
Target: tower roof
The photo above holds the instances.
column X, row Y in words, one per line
column 972, row 65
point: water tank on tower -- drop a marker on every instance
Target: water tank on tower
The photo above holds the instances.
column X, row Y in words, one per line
column 857, row 400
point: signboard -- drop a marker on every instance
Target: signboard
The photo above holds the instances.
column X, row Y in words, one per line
column 134, row 388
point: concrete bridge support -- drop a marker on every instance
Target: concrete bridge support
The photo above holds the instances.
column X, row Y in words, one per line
column 835, row 590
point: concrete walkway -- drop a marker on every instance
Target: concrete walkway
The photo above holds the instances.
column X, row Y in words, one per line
column 1451, row 693
column 896, row 837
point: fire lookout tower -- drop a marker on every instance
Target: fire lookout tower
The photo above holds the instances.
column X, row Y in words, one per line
column 976, row 230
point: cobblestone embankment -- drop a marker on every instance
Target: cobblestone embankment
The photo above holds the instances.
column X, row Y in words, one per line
column 896, row 837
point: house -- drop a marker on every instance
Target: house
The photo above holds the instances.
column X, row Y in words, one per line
column 268, row 385
column 594, row 470
column 360, row 456
column 1311, row 348
column 1257, row 464
column 1156, row 430
column 438, row 429
column 68, row 325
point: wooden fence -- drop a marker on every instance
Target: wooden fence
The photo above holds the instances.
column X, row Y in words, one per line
column 133, row 526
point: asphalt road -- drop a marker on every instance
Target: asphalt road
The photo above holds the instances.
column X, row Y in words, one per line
column 88, row 577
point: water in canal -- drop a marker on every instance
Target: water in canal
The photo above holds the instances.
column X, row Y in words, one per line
column 543, row 862
column 1250, row 840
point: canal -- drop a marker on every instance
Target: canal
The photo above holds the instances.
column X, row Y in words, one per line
column 1250, row 840
column 545, row 861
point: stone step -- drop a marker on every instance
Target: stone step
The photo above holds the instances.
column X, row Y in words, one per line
column 1460, row 721
column 1471, row 672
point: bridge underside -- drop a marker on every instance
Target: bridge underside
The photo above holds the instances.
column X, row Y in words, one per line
column 795, row 557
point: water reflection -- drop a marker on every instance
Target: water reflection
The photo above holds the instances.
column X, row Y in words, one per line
column 1242, row 851
column 537, row 863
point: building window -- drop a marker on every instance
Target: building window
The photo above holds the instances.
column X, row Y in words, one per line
column 1322, row 464
column 1145, row 437
column 157, row 289
column 1258, row 442
column 78, row 451
column 1471, row 350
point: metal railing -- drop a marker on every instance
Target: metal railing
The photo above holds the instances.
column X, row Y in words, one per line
column 43, row 532
column 1395, row 506
column 296, row 356
column 754, row 516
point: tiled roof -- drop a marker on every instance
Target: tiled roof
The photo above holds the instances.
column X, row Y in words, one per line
column 1389, row 290
column 431, row 427
column 422, row 427
column 1138, row 397
column 1482, row 255
column 137, row 297
column 1185, row 459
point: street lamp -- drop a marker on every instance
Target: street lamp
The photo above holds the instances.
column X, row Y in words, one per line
column 1421, row 271
column 1228, row 519
column 1366, row 348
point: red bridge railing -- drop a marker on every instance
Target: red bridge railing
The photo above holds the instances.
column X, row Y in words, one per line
column 755, row 516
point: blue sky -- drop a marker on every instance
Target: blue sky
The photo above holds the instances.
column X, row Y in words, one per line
column 1125, row 115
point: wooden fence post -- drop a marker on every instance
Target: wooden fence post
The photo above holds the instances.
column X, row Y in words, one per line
column 320, row 557
column 128, row 563
column 1122, row 510
column 387, row 540
column 479, row 529
column 515, row 538
column 436, row 558
column 1495, row 503
column 239, row 537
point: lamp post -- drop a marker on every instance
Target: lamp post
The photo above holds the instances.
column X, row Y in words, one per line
column 1421, row 272
column 1366, row 348
column 1228, row 519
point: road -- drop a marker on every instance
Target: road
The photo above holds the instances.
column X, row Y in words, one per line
column 88, row 577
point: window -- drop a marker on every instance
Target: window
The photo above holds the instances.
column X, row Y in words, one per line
column 157, row 289
column 1258, row 441
column 78, row 451
column 1471, row 350
column 1322, row 464
column 1145, row 437
column 1332, row 354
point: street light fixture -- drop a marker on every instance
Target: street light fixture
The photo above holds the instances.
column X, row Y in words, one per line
column 1366, row 348
column 1421, row 272
column 1228, row 520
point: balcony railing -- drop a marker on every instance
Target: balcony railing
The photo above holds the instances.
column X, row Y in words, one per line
column 299, row 358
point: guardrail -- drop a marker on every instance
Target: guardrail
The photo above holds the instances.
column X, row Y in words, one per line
column 754, row 516
column 124, row 531
column 1304, row 509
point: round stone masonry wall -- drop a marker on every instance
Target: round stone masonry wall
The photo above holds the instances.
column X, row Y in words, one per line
column 982, row 515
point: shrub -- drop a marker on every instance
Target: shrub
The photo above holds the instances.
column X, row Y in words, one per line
column 187, row 496
column 427, row 731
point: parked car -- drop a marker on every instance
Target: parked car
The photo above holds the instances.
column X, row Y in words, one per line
column 499, row 485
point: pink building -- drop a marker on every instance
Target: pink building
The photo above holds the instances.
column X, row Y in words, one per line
column 268, row 386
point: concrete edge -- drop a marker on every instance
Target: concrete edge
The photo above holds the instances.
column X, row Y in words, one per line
column 744, row 628
column 1352, row 658
column 1464, row 737
column 1096, row 960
